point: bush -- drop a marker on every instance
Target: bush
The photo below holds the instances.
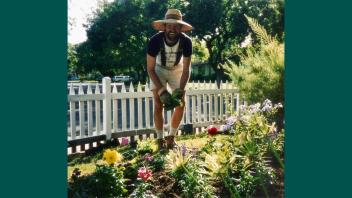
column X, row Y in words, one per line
column 146, row 146
column 260, row 73
column 94, row 75
column 106, row 181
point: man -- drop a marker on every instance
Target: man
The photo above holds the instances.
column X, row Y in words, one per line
column 169, row 62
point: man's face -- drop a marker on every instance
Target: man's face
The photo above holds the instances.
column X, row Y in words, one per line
column 172, row 31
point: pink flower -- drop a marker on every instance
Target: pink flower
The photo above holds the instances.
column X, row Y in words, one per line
column 144, row 173
column 148, row 157
column 124, row 141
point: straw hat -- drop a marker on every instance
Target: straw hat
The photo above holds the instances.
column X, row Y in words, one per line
column 172, row 16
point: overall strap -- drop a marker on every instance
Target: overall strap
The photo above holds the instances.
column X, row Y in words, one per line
column 180, row 49
column 162, row 52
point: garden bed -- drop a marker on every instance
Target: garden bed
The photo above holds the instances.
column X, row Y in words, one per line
column 245, row 160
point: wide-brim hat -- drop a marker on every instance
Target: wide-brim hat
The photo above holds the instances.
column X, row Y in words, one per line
column 172, row 16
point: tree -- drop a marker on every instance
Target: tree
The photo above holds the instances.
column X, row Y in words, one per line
column 116, row 40
column 118, row 32
column 72, row 66
column 224, row 26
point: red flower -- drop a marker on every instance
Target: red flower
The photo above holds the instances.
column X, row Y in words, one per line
column 144, row 173
column 212, row 130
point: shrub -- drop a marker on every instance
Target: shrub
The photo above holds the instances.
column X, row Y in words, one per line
column 106, row 181
column 146, row 146
column 260, row 73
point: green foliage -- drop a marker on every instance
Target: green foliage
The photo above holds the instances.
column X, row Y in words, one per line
column 176, row 159
column 106, row 181
column 118, row 32
column 243, row 162
column 209, row 147
column 93, row 75
column 72, row 66
column 130, row 171
column 145, row 146
column 158, row 163
column 192, row 182
column 200, row 52
column 142, row 191
column 129, row 154
column 260, row 74
column 222, row 25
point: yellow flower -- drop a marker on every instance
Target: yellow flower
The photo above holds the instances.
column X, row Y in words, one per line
column 112, row 156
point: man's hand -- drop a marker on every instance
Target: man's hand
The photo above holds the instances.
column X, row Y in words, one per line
column 165, row 97
column 178, row 95
column 168, row 100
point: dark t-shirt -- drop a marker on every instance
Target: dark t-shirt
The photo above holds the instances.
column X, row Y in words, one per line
column 153, row 47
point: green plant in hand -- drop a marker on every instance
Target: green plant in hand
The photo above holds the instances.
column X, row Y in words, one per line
column 178, row 94
column 171, row 101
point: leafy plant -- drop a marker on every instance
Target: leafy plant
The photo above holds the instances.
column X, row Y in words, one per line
column 106, row 181
column 158, row 163
column 129, row 154
column 142, row 191
column 192, row 182
column 244, row 162
column 146, row 146
column 176, row 159
column 260, row 73
column 209, row 145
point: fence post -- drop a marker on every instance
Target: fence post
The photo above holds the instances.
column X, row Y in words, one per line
column 107, row 107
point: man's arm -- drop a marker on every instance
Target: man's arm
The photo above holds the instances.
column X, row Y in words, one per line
column 151, row 71
column 186, row 72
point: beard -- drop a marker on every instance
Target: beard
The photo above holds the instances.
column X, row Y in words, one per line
column 172, row 36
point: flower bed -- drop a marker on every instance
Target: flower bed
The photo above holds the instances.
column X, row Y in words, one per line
column 240, row 158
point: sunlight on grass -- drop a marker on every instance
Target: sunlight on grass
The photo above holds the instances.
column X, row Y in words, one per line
column 84, row 168
column 199, row 142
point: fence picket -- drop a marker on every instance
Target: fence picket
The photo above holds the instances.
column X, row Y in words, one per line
column 81, row 113
column 216, row 109
column 199, row 104
column 97, row 111
column 210, row 103
column 188, row 110
column 72, row 114
column 131, row 90
column 90, row 112
column 107, row 107
column 147, row 109
column 221, row 102
column 139, row 103
column 205, row 104
column 193, row 108
column 123, row 108
column 115, row 109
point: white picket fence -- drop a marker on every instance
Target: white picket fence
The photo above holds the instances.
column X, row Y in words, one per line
column 101, row 112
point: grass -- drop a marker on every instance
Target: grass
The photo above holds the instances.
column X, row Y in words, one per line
column 86, row 164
